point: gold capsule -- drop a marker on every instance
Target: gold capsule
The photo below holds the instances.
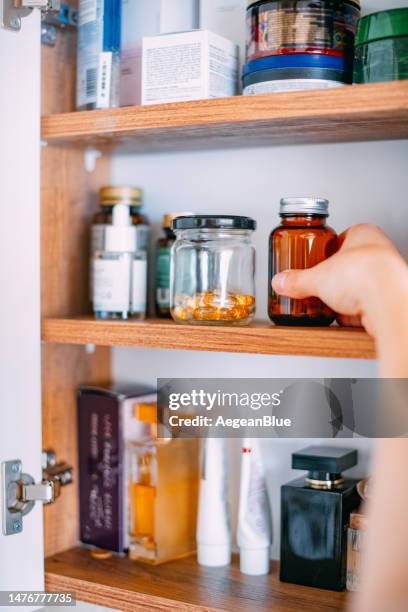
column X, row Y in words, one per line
column 183, row 314
column 245, row 300
column 214, row 306
column 206, row 314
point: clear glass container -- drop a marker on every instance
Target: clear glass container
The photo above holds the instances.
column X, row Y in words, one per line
column 212, row 270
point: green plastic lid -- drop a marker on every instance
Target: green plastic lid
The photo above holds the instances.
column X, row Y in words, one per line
column 384, row 24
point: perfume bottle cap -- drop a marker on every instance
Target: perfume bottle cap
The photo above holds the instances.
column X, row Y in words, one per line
column 254, row 561
column 214, row 555
column 328, row 459
column 120, row 237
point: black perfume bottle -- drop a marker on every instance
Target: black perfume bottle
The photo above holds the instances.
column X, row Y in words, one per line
column 315, row 516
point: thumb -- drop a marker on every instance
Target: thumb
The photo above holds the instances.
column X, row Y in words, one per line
column 297, row 284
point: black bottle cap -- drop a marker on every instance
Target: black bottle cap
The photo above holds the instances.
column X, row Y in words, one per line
column 329, row 459
column 214, row 222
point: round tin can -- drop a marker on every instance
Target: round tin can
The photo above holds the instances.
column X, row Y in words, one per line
column 301, row 26
column 295, row 72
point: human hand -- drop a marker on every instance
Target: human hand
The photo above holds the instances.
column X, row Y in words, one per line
column 355, row 281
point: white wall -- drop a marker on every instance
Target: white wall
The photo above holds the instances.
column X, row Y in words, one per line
column 365, row 183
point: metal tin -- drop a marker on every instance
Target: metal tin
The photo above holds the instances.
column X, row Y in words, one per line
column 301, row 26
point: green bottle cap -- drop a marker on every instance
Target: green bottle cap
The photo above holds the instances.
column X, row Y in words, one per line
column 384, row 24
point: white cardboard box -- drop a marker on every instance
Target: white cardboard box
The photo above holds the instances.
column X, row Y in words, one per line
column 226, row 18
column 147, row 18
column 188, row 66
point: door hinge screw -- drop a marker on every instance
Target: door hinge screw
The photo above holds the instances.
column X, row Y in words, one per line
column 17, row 526
column 15, row 467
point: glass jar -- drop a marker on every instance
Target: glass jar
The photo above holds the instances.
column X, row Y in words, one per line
column 212, row 270
column 163, row 250
column 302, row 241
column 109, row 197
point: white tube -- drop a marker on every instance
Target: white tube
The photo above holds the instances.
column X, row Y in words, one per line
column 213, row 526
column 254, row 517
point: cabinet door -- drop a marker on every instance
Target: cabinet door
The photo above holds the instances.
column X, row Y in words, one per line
column 21, row 554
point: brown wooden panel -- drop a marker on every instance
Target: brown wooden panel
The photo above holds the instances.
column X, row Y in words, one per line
column 258, row 338
column 67, row 203
column 181, row 585
column 351, row 113
column 63, row 369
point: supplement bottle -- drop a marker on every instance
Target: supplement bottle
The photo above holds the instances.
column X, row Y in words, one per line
column 109, row 197
column 301, row 241
column 119, row 272
column 163, row 249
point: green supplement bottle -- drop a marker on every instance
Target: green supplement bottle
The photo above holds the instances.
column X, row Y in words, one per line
column 163, row 250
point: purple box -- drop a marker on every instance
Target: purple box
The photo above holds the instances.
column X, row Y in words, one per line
column 102, row 417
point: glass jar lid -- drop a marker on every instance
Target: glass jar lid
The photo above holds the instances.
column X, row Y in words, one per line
column 110, row 196
column 301, row 206
column 226, row 222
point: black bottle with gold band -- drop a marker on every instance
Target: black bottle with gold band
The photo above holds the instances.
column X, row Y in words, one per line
column 315, row 514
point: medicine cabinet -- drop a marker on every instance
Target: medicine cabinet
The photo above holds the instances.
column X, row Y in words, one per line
column 76, row 156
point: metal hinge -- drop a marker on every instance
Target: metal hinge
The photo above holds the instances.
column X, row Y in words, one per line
column 12, row 11
column 62, row 18
column 20, row 491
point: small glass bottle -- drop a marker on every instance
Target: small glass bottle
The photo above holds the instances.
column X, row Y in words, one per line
column 110, row 197
column 356, row 536
column 163, row 250
column 142, row 493
column 302, row 241
column 119, row 272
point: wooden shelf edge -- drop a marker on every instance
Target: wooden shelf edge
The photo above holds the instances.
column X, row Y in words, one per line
column 259, row 338
column 180, row 585
column 358, row 112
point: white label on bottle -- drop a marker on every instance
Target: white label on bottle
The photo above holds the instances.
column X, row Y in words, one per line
column 111, row 285
column 139, row 285
column 104, row 80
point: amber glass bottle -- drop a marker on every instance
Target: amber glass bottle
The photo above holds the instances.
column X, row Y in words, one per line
column 301, row 241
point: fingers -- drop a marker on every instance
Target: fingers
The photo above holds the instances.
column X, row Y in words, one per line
column 297, row 284
column 349, row 320
column 364, row 234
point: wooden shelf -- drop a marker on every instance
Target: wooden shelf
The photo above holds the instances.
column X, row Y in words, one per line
column 351, row 113
column 181, row 585
column 259, row 338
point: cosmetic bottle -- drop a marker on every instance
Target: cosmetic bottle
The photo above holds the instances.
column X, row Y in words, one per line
column 119, row 272
column 163, row 477
column 254, row 517
column 213, row 526
column 315, row 514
